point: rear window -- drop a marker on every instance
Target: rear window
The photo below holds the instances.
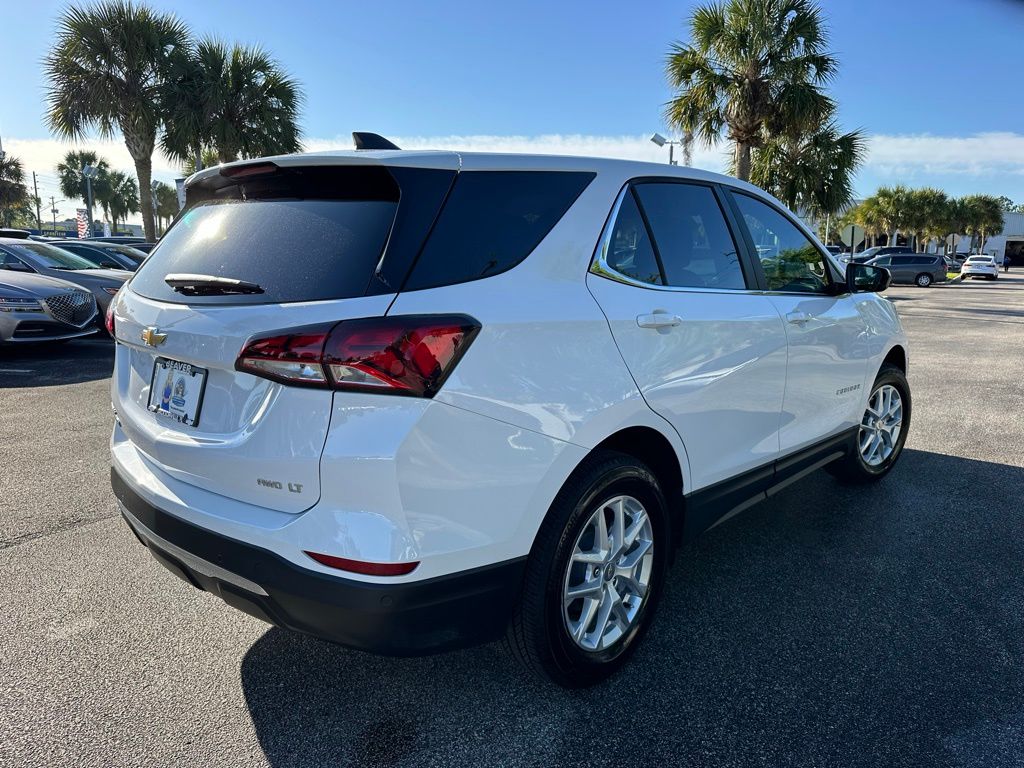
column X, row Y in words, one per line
column 491, row 221
column 294, row 249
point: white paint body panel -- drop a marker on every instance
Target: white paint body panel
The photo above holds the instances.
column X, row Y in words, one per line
column 465, row 480
column 718, row 377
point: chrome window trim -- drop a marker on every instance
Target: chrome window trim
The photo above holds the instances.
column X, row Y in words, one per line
column 599, row 262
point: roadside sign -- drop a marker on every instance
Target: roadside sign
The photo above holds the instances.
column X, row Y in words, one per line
column 851, row 235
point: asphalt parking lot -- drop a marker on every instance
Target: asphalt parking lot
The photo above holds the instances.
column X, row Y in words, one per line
column 826, row 627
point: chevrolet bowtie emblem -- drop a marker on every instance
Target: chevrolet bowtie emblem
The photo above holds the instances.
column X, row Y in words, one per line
column 153, row 337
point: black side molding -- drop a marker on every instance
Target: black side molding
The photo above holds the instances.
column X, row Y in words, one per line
column 717, row 503
column 364, row 140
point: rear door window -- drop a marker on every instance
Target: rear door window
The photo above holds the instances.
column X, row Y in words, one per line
column 491, row 221
column 691, row 236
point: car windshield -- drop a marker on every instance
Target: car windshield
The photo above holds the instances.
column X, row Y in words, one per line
column 870, row 252
column 48, row 257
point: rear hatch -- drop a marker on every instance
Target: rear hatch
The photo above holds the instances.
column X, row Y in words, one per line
column 311, row 245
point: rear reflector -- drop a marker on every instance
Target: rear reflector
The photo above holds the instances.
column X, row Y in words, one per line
column 367, row 569
column 402, row 355
column 109, row 319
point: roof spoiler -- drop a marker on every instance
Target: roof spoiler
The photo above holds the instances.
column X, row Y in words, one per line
column 364, row 140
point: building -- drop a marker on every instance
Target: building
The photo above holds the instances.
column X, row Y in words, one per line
column 1009, row 242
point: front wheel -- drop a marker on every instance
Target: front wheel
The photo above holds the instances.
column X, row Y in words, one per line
column 923, row 280
column 595, row 574
column 882, row 433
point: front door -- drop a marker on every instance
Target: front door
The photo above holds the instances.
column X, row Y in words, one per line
column 829, row 337
column 706, row 350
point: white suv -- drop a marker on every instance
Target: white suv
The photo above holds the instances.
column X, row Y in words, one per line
column 409, row 401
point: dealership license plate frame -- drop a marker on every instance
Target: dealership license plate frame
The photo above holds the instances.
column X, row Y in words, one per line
column 166, row 404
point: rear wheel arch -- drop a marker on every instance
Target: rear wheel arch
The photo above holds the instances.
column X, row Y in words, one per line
column 651, row 447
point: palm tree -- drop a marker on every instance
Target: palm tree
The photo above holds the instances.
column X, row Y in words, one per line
column 236, row 100
column 811, row 171
column 752, row 68
column 867, row 217
column 108, row 69
column 14, row 197
column 207, row 159
column 926, row 212
column 122, row 197
column 166, row 204
column 983, row 217
column 893, row 210
column 73, row 183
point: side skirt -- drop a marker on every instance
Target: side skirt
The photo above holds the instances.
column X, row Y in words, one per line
column 717, row 503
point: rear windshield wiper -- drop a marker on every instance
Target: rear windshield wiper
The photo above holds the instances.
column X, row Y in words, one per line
column 210, row 285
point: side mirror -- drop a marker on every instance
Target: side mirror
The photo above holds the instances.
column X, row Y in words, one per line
column 864, row 278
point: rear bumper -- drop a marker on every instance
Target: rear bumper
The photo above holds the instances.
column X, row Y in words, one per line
column 404, row 619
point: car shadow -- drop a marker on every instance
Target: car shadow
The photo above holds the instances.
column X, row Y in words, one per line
column 881, row 625
column 50, row 364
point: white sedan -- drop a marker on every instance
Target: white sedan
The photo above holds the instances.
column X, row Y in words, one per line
column 980, row 266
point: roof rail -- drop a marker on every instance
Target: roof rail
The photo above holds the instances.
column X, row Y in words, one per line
column 364, row 140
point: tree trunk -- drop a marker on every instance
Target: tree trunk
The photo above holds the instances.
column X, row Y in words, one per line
column 742, row 155
column 140, row 146
column 144, row 170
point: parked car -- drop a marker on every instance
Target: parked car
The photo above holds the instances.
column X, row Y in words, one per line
column 101, row 254
column 138, row 243
column 835, row 250
column 879, row 250
column 49, row 260
column 400, row 402
column 144, row 247
column 980, row 266
column 35, row 308
column 920, row 269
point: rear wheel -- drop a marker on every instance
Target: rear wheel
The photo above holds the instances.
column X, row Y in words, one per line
column 923, row 280
column 882, row 433
column 595, row 573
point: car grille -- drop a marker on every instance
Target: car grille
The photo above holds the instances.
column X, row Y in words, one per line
column 74, row 307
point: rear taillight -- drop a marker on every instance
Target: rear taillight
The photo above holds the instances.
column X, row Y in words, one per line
column 109, row 319
column 402, row 355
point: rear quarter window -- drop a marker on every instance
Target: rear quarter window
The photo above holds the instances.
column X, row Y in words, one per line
column 491, row 221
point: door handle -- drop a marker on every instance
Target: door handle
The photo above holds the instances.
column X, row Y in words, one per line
column 798, row 318
column 658, row 320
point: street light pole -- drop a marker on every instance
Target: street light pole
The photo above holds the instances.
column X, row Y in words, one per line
column 661, row 141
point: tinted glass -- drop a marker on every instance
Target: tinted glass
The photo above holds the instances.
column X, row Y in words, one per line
column 629, row 249
column 45, row 256
column 691, row 235
column 882, row 261
column 903, row 261
column 790, row 260
column 491, row 222
column 296, row 250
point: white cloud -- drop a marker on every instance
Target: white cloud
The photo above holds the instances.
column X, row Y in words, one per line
column 889, row 157
column 981, row 154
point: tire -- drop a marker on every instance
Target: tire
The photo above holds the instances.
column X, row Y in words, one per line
column 923, row 280
column 854, row 468
column 539, row 635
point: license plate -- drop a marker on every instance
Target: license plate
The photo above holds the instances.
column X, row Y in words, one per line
column 176, row 391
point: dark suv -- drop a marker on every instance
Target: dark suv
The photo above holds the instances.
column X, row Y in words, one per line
column 921, row 269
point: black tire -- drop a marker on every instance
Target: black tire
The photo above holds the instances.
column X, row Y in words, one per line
column 537, row 635
column 923, row 280
column 852, row 468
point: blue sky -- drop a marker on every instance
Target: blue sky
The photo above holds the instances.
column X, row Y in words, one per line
column 936, row 84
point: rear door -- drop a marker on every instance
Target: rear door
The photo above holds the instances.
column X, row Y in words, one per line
column 904, row 268
column 312, row 241
column 707, row 352
column 829, row 338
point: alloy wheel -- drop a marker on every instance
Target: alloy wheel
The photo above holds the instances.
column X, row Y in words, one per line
column 881, row 426
column 609, row 574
